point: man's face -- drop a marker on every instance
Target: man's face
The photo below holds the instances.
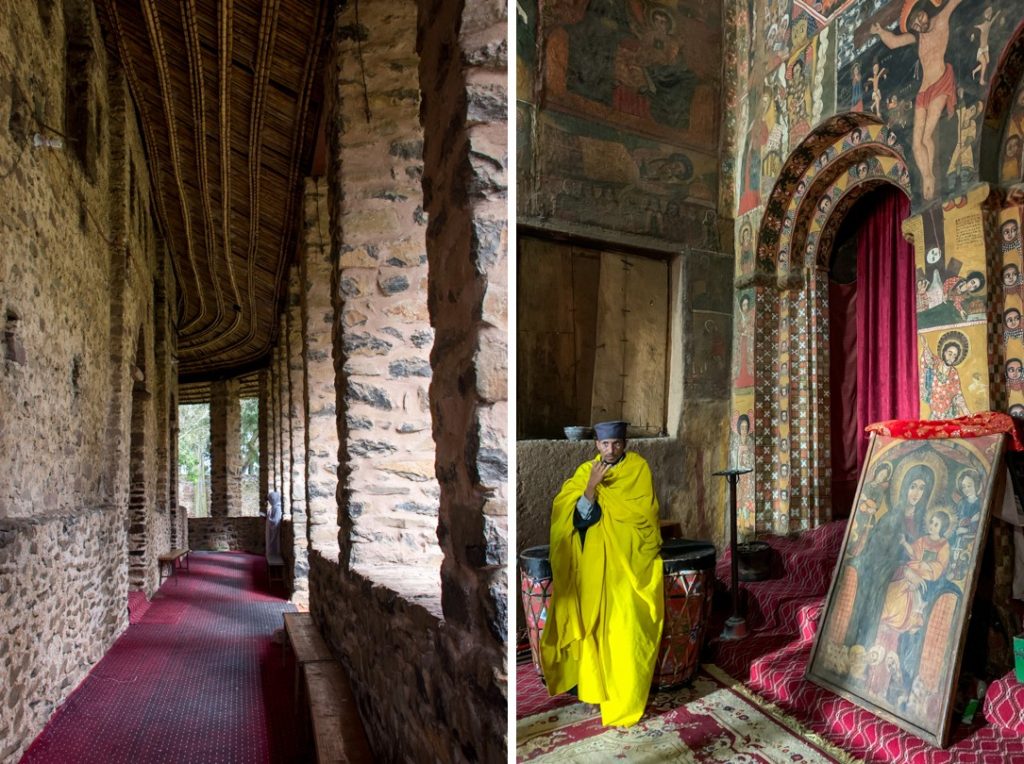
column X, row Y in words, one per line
column 1012, row 319
column 919, row 21
column 611, row 449
column 1010, row 276
column 950, row 354
column 1013, row 370
column 1010, row 232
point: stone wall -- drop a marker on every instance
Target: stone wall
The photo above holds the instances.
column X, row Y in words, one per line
column 235, row 534
column 423, row 693
column 86, row 381
column 63, row 593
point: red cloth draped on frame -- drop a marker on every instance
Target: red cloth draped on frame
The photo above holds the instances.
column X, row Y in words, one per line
column 973, row 426
column 886, row 319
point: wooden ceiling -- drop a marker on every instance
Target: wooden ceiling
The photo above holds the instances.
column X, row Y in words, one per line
column 228, row 99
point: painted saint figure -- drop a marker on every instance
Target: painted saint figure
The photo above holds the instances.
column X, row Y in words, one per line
column 984, row 28
column 958, row 290
column 886, row 531
column 1011, row 280
column 1012, row 329
column 744, row 344
column 1015, row 375
column 1009, row 233
column 938, row 86
column 968, row 517
column 929, row 557
column 878, row 73
column 940, row 382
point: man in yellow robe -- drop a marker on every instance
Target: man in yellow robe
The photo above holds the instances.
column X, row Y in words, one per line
column 606, row 611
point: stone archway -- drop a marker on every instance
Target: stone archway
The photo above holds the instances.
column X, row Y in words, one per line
column 848, row 156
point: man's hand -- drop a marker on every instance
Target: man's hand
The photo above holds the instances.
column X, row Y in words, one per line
column 597, row 473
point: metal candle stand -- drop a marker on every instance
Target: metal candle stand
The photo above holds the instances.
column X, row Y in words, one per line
column 736, row 624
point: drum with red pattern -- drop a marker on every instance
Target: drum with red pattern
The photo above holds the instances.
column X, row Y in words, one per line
column 535, row 586
column 689, row 571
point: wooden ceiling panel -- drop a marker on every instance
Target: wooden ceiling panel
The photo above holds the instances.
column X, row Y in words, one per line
column 226, row 103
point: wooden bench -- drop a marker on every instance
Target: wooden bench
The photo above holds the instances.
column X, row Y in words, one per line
column 173, row 561
column 306, row 643
column 275, row 569
column 337, row 729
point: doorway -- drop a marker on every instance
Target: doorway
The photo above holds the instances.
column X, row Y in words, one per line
column 872, row 332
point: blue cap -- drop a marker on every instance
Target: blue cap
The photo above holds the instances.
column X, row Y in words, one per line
column 610, row 430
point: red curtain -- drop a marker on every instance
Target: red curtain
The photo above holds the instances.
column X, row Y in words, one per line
column 881, row 352
column 886, row 318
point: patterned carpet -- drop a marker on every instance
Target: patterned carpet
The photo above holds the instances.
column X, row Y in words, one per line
column 194, row 679
column 715, row 719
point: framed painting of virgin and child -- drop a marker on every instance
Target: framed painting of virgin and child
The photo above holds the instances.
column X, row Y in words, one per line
column 892, row 631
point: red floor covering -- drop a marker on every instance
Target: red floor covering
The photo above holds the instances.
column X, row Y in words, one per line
column 194, row 679
column 782, row 614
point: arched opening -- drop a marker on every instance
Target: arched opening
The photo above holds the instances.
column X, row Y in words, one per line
column 872, row 331
column 137, row 500
column 788, row 398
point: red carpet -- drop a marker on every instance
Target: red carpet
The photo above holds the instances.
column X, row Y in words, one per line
column 195, row 678
column 783, row 616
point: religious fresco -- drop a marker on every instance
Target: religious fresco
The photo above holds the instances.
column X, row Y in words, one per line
column 526, row 48
column 743, row 349
column 708, row 333
column 639, row 65
column 1011, row 161
column 741, row 454
column 766, row 139
column 602, row 177
column 745, row 235
column 882, row 64
column 810, row 86
column 626, row 129
column 953, row 371
column 1011, row 331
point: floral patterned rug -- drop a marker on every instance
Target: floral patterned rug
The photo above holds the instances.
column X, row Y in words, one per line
column 715, row 719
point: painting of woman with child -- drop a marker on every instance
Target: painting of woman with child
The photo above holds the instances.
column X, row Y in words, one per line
column 893, row 625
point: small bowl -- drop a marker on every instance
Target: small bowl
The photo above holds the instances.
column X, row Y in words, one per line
column 577, row 432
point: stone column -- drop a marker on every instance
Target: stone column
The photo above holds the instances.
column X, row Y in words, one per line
column 297, row 428
column 225, row 449
column 321, row 426
column 266, row 481
column 388, row 490
column 465, row 156
column 284, row 433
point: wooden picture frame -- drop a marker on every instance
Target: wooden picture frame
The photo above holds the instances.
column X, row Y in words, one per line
column 892, row 630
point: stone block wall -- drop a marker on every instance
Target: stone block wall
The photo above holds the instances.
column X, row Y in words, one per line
column 235, row 534
column 382, row 335
column 86, row 380
column 63, row 593
column 424, row 692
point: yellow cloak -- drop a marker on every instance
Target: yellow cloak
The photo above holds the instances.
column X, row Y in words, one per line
column 606, row 610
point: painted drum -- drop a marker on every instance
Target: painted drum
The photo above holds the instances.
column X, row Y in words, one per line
column 689, row 570
column 535, row 586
